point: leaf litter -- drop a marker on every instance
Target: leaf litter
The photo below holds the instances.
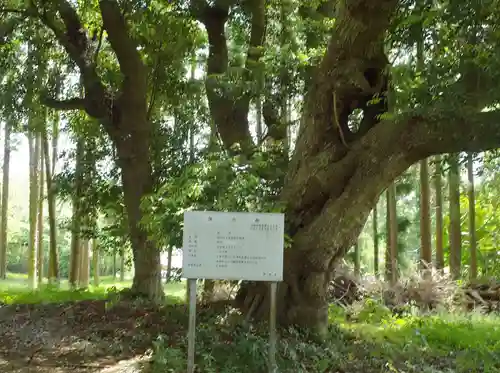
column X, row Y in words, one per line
column 84, row 337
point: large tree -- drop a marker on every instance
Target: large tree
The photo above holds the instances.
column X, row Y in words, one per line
column 335, row 175
column 121, row 109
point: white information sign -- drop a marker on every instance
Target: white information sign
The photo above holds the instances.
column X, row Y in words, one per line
column 233, row 246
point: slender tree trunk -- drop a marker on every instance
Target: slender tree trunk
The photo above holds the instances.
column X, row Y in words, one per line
column 425, row 218
column 438, row 188
column 425, row 213
column 375, row 241
column 95, row 261
column 454, row 229
column 84, row 264
column 76, row 221
column 258, row 113
column 357, row 260
column 169, row 265
column 5, row 201
column 392, row 233
column 53, row 270
column 34, row 146
column 115, row 264
column 41, row 198
column 472, row 217
column 122, row 265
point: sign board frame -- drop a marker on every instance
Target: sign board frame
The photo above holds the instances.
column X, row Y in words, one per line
column 233, row 246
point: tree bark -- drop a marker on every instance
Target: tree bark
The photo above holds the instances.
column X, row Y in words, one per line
column 438, row 189
column 115, row 263
column 357, row 260
column 96, row 263
column 84, row 277
column 53, row 270
column 77, row 217
column 124, row 116
column 122, row 265
column 455, row 229
column 425, row 213
column 392, row 235
column 41, row 198
column 331, row 186
column 472, row 217
column 34, row 149
column 425, row 218
column 5, row 201
column 169, row 265
column 375, row 241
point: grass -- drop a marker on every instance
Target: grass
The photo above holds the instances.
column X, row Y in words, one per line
column 366, row 338
column 15, row 290
column 440, row 343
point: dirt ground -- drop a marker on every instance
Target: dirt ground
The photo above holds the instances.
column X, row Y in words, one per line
column 84, row 337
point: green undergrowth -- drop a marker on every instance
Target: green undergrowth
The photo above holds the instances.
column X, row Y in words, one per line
column 21, row 294
column 372, row 341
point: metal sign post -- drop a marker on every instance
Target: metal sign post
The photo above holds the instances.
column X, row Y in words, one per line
column 273, row 367
column 236, row 246
column 192, row 325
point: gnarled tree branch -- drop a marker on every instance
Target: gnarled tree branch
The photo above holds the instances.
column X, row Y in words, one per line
column 230, row 112
column 75, row 103
column 355, row 46
column 380, row 156
column 125, row 48
column 72, row 36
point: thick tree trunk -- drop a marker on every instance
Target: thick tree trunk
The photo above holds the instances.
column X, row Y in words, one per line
column 133, row 154
column 124, row 116
column 336, row 175
column 5, row 201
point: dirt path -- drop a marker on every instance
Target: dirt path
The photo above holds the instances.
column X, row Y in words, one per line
column 83, row 337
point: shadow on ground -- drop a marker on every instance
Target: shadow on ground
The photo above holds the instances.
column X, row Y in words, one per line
column 86, row 336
